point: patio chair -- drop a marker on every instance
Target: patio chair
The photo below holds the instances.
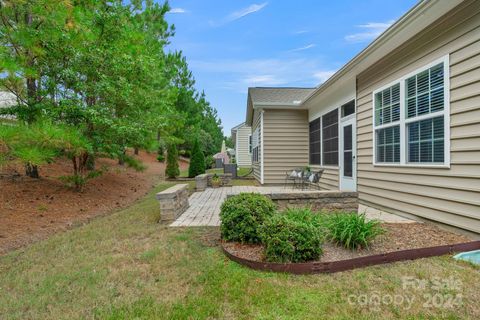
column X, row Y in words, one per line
column 294, row 176
column 311, row 178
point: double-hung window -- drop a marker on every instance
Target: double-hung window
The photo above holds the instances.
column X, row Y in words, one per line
column 387, row 121
column 411, row 118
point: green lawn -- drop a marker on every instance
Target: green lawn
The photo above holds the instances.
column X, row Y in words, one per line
column 127, row 266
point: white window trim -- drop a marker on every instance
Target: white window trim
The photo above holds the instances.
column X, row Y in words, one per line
column 403, row 121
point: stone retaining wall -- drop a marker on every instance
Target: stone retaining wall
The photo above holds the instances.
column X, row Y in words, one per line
column 173, row 202
column 322, row 200
column 203, row 181
column 225, row 178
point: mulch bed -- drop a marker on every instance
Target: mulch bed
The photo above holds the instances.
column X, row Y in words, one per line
column 33, row 209
column 398, row 236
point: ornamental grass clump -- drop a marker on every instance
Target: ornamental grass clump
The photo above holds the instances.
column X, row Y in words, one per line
column 352, row 230
column 296, row 235
column 241, row 215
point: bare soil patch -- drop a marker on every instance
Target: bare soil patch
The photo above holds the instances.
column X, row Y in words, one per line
column 31, row 209
column 398, row 236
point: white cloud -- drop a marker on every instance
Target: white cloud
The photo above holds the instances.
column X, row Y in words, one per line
column 263, row 80
column 300, row 32
column 238, row 75
column 371, row 31
column 304, row 47
column 245, row 11
column 177, row 10
column 323, row 76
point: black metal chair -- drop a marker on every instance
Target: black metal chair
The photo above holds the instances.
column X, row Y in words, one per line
column 311, row 178
column 295, row 176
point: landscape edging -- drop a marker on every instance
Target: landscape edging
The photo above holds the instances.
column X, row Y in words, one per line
column 349, row 264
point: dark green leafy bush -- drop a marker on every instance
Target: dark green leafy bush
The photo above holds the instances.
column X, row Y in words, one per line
column 293, row 236
column 241, row 215
column 172, row 170
column 209, row 162
column 197, row 161
column 352, row 230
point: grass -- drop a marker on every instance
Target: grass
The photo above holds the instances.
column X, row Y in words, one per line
column 126, row 266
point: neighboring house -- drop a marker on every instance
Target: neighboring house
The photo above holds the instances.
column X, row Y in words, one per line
column 242, row 138
column 7, row 99
column 399, row 123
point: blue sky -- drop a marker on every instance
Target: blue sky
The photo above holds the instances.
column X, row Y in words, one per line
column 232, row 45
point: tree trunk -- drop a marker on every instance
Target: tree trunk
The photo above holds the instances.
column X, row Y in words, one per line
column 90, row 162
column 121, row 158
column 32, row 171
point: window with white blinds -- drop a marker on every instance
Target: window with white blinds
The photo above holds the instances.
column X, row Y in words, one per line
column 387, row 105
column 388, row 145
column 411, row 118
column 387, row 116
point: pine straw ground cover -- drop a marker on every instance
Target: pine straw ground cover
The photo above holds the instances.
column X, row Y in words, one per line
column 126, row 265
column 396, row 237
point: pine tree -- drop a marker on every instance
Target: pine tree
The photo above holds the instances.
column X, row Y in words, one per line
column 172, row 170
column 197, row 161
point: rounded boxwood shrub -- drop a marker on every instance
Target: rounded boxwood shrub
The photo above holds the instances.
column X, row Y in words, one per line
column 293, row 236
column 242, row 214
column 352, row 230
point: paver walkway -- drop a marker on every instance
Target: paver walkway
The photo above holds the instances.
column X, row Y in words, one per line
column 204, row 207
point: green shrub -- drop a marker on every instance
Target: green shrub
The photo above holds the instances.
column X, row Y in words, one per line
column 197, row 161
column 317, row 219
column 352, row 230
column 209, row 162
column 172, row 170
column 161, row 158
column 136, row 164
column 293, row 236
column 241, row 215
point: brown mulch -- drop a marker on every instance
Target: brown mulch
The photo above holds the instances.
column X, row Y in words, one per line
column 398, row 236
column 33, row 209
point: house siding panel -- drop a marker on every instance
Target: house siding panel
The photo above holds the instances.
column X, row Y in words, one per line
column 256, row 165
column 285, row 143
column 449, row 196
column 242, row 152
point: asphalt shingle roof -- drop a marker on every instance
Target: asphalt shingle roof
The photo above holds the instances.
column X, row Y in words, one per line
column 279, row 95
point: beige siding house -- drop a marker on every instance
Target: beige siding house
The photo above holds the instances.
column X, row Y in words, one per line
column 279, row 131
column 242, row 138
column 400, row 122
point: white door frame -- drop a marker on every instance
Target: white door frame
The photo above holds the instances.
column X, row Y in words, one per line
column 348, row 183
